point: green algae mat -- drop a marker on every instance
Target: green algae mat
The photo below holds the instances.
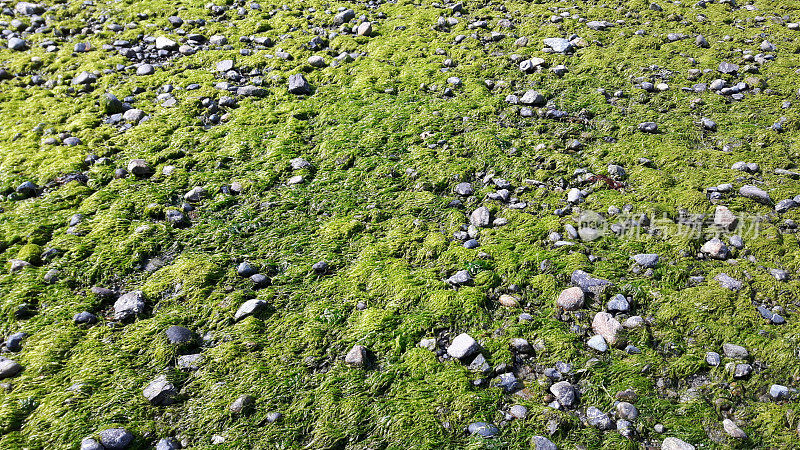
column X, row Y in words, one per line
column 400, row 224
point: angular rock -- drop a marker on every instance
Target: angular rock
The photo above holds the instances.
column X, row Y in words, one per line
column 564, row 393
column 733, row 430
column 463, row 346
column 724, row 218
column 598, row 419
column 607, row 326
column 481, row 217
column 160, row 392
column 298, row 85
column 357, row 356
column 242, row 405
column 129, row 305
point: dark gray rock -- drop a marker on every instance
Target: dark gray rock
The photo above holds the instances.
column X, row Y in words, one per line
column 84, row 318
column 588, row 283
column 9, row 368
column 298, row 85
column 179, row 335
column 116, row 438
column 246, row 270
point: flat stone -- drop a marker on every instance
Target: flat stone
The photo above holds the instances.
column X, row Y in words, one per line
column 483, row 429
column 249, row 308
column 735, row 351
column 559, row 45
column 756, row 194
column 727, row 68
column 647, row 260
column 729, row 282
column 179, row 335
column 588, row 283
column 165, row 43
column 160, row 392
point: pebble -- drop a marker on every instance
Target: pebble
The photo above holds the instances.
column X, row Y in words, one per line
column 733, row 430
column 463, row 346
column 483, row 429
column 673, row 443
column 242, row 405
column 178, row 335
column 129, row 305
column 9, row 368
column 357, row 356
column 249, row 308
column 570, row 299
column 564, row 393
column 84, row 318
column 116, row 438
column 160, row 392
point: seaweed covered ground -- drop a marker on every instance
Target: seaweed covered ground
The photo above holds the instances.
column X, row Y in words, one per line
column 404, row 224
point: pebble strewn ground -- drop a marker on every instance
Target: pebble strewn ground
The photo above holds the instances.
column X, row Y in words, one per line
column 402, row 224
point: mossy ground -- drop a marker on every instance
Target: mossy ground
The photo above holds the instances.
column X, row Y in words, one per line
column 387, row 234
